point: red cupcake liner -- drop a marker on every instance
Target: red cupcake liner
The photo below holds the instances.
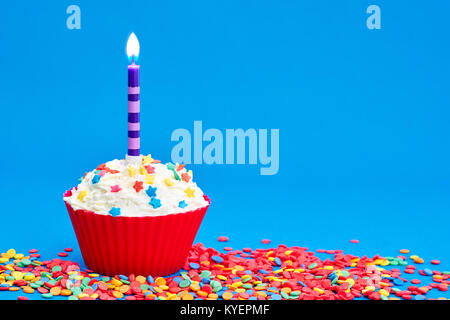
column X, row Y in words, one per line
column 156, row 245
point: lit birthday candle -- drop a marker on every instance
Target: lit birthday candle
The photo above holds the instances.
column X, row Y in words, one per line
column 133, row 98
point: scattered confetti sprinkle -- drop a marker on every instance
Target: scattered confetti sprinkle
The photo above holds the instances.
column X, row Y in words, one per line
column 281, row 273
column 222, row 239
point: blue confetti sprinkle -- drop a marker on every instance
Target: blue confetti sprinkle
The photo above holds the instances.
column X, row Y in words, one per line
column 217, row 259
column 194, row 265
column 428, row 272
column 277, row 261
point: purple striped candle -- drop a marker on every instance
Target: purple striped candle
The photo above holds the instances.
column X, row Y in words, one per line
column 133, row 98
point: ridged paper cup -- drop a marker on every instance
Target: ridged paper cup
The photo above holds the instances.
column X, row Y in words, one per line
column 155, row 245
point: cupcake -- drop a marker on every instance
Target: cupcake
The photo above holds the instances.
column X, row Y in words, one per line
column 136, row 216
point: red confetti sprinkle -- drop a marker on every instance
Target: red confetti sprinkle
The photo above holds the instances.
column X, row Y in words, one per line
column 68, row 249
column 223, row 239
column 32, row 250
column 63, row 254
column 354, row 241
column 265, row 241
column 435, row 261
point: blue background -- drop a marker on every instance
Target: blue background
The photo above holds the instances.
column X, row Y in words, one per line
column 363, row 116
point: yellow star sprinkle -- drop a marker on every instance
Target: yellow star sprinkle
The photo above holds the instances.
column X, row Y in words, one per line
column 142, row 170
column 190, row 192
column 81, row 195
column 147, row 159
column 169, row 182
column 149, row 179
column 131, row 171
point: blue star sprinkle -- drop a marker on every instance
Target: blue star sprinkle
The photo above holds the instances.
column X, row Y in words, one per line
column 96, row 179
column 182, row 204
column 151, row 192
column 114, row 211
column 155, row 203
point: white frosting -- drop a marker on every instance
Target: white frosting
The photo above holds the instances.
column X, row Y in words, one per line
column 100, row 197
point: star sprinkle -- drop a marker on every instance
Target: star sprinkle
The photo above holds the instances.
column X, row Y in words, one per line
column 114, row 211
column 149, row 179
column 182, row 204
column 96, row 179
column 151, row 192
column 155, row 203
column 81, row 195
column 131, row 171
column 115, row 188
column 181, row 166
column 169, row 182
column 138, row 186
column 185, row 177
column 142, row 170
column 147, row 159
column 189, row 192
column 149, row 169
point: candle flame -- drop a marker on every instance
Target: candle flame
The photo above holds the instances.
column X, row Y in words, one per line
column 132, row 46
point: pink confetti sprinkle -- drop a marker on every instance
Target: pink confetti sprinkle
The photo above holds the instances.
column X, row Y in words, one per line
column 63, row 254
column 354, row 241
column 33, row 251
column 227, row 248
column 266, row 241
column 223, row 239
